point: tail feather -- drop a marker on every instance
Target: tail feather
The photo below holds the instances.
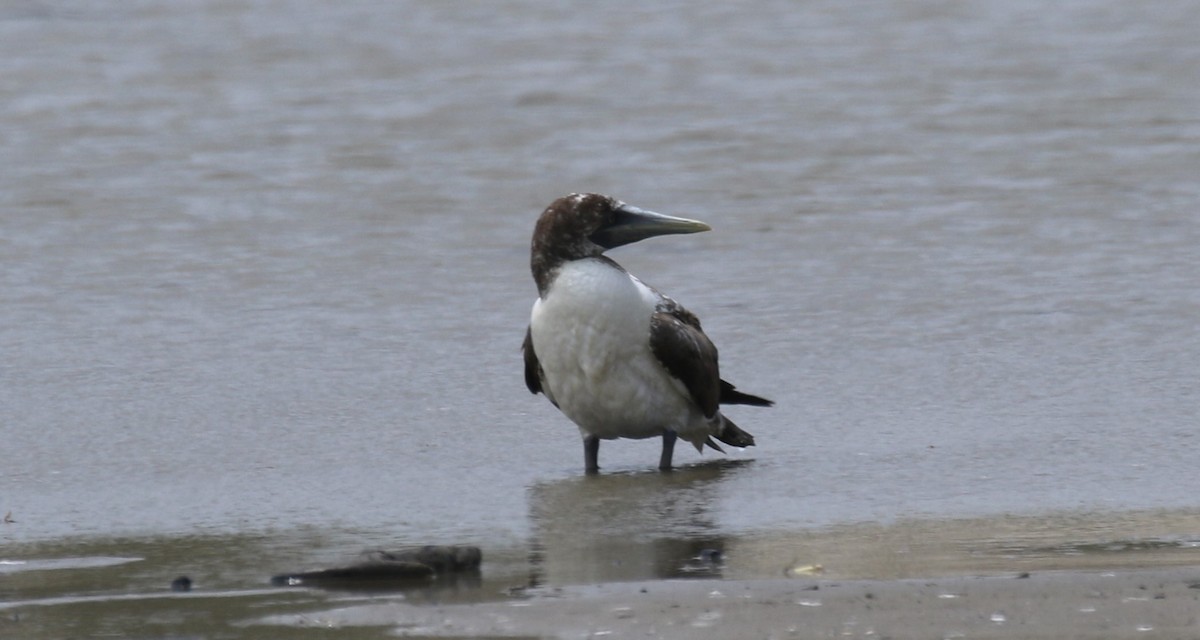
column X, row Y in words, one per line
column 733, row 435
column 730, row 395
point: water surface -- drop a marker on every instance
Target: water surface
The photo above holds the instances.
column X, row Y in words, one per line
column 265, row 269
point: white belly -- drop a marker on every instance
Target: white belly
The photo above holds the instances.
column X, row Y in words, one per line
column 591, row 335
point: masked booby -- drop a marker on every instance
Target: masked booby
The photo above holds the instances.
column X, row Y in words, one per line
column 618, row 358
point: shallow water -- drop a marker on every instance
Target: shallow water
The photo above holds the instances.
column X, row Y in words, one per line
column 265, row 265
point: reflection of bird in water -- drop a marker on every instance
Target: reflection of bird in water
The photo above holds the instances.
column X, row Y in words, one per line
column 620, row 359
column 629, row 526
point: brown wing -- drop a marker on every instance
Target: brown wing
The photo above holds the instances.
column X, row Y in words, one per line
column 730, row 395
column 533, row 370
column 681, row 346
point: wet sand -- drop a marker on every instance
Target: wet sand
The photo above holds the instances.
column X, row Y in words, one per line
column 1067, row 575
column 1057, row 604
column 1054, row 575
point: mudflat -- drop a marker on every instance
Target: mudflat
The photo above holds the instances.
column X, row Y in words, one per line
column 1055, row 604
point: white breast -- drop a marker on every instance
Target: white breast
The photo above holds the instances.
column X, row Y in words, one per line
column 591, row 334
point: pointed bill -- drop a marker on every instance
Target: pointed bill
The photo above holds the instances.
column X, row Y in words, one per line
column 632, row 224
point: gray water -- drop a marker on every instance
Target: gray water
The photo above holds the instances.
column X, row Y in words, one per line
column 265, row 264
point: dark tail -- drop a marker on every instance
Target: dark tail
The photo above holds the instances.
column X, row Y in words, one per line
column 730, row 395
column 732, row 435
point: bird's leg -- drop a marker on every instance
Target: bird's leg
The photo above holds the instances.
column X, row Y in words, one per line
column 668, row 450
column 591, row 454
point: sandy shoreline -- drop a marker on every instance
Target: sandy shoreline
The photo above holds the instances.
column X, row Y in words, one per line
column 1056, row 604
column 1089, row 575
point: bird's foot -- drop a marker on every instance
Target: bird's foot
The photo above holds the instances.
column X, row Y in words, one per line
column 668, row 450
column 591, row 455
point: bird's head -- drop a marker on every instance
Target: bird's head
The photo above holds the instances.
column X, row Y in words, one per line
column 583, row 225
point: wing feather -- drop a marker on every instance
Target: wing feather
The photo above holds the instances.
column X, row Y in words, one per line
column 678, row 342
column 533, row 370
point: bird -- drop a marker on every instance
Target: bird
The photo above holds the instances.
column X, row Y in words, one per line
column 613, row 354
